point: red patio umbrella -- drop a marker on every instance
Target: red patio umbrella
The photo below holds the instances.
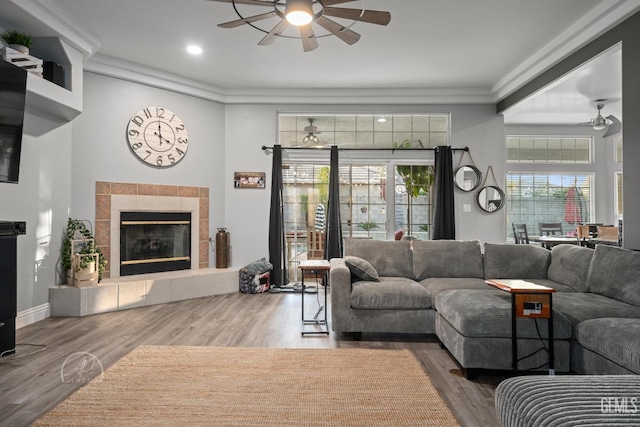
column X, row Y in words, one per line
column 572, row 210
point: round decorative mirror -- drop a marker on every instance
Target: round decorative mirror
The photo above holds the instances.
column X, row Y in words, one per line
column 491, row 198
column 467, row 178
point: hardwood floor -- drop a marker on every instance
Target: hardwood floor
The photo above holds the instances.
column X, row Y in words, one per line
column 30, row 386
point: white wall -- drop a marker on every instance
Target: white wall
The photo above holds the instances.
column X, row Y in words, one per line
column 250, row 126
column 101, row 153
column 42, row 199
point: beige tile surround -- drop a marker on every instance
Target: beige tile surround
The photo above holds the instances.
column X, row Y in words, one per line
column 120, row 293
column 114, row 197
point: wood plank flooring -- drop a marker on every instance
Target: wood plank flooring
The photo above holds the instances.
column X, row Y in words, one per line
column 31, row 386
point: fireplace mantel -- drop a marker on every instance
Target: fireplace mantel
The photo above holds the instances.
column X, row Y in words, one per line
column 114, row 197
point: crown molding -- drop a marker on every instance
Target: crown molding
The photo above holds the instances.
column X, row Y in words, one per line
column 129, row 71
column 124, row 70
column 361, row 96
column 601, row 18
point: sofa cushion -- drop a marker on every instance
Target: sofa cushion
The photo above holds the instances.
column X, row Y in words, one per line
column 487, row 314
column 615, row 272
column 361, row 268
column 506, row 261
column 435, row 285
column 447, row 258
column 389, row 258
column 615, row 339
column 570, row 266
column 583, row 306
column 390, row 293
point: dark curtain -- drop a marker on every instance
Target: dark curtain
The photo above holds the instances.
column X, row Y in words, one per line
column 444, row 226
column 333, row 230
column 277, row 247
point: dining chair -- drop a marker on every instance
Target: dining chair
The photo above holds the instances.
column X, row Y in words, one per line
column 520, row 233
column 550, row 228
column 583, row 234
column 608, row 232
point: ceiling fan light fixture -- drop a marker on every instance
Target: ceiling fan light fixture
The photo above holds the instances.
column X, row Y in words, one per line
column 299, row 12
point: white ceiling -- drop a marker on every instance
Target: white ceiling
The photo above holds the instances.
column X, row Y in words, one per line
column 475, row 50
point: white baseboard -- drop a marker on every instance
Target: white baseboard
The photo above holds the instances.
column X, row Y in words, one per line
column 32, row 315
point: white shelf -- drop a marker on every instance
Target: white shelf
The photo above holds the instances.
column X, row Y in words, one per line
column 47, row 99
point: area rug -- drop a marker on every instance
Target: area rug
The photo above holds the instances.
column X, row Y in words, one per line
column 230, row 386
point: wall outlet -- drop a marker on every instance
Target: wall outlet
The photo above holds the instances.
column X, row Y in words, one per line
column 466, row 207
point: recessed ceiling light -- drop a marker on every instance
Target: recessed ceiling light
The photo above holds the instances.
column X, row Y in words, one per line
column 194, row 50
column 382, row 120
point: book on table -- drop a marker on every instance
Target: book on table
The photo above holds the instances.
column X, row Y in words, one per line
column 517, row 285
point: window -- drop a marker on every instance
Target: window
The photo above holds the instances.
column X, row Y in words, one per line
column 618, row 193
column 617, row 145
column 363, row 130
column 536, row 149
column 372, row 204
column 548, row 197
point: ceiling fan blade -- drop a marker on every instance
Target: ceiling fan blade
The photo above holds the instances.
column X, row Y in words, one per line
column 585, row 124
column 250, row 2
column 344, row 34
column 238, row 22
column 326, row 3
column 370, row 16
column 614, row 128
column 309, row 41
column 275, row 32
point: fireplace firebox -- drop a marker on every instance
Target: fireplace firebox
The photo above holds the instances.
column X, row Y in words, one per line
column 152, row 242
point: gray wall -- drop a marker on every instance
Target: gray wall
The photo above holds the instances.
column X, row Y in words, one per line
column 101, row 153
column 41, row 198
column 249, row 126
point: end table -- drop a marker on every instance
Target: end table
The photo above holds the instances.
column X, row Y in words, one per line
column 317, row 267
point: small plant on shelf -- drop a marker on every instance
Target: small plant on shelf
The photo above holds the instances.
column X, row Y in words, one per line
column 16, row 38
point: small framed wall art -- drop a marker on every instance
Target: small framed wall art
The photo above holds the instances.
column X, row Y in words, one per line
column 249, row 179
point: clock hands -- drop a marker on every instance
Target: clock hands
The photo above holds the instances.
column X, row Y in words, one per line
column 159, row 135
column 162, row 138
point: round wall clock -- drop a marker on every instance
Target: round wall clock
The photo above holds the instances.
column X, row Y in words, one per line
column 157, row 137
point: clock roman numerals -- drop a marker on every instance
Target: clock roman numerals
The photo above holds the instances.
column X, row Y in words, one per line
column 157, row 137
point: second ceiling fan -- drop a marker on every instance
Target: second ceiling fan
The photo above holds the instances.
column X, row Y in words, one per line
column 304, row 13
column 599, row 122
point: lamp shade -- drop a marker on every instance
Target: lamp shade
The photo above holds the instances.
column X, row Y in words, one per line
column 299, row 12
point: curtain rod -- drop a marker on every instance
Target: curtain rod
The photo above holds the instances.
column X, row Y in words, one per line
column 264, row 147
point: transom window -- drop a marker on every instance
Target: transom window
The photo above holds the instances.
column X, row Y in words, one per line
column 363, row 130
column 535, row 149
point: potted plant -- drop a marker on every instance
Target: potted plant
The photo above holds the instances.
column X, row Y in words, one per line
column 18, row 41
column 367, row 226
column 77, row 230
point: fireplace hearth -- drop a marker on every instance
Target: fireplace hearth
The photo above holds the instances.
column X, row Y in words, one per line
column 152, row 242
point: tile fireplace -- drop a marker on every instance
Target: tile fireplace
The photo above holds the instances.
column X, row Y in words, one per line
column 153, row 242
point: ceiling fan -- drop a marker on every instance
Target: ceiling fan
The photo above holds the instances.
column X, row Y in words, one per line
column 311, row 138
column 599, row 122
column 304, row 13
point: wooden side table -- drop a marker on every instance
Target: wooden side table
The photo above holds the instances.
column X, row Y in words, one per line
column 317, row 267
column 528, row 300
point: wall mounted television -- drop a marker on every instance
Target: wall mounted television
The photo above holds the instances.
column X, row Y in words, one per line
column 13, row 91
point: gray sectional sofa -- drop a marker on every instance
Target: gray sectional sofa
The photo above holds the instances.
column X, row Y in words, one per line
column 437, row 287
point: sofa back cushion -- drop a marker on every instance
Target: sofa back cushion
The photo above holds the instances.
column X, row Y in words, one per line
column 389, row 258
column 507, row 261
column 615, row 273
column 570, row 266
column 447, row 258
